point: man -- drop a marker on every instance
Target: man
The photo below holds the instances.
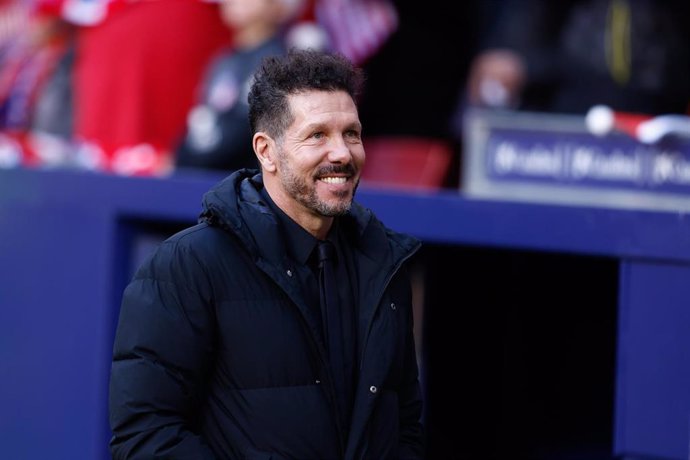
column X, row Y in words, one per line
column 227, row 345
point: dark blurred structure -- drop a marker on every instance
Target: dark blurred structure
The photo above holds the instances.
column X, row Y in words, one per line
column 566, row 56
column 413, row 79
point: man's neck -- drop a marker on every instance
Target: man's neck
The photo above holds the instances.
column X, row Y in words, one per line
column 315, row 224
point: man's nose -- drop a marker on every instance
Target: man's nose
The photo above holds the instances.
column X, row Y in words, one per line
column 339, row 151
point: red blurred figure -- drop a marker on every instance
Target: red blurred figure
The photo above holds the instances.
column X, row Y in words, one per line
column 139, row 63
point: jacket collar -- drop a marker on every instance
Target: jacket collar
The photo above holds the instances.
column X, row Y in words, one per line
column 236, row 205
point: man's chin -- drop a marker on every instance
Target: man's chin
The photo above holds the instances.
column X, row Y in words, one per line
column 334, row 208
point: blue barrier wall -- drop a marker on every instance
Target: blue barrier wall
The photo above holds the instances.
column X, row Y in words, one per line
column 68, row 241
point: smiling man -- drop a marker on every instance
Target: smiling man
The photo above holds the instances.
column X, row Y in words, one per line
column 280, row 326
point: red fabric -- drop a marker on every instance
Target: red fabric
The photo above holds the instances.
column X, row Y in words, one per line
column 628, row 122
column 52, row 8
column 137, row 73
column 406, row 162
column 308, row 13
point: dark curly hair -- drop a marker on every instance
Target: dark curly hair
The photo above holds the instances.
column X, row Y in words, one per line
column 297, row 71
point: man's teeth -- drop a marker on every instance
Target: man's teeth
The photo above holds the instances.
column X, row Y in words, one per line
column 334, row 180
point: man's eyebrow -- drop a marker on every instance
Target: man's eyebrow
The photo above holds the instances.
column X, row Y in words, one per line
column 324, row 125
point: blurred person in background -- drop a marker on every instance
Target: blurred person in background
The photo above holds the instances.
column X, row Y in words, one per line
column 36, row 51
column 51, row 136
column 229, row 345
column 567, row 56
column 137, row 67
column 217, row 135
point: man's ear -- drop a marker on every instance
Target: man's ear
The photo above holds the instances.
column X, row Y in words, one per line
column 265, row 150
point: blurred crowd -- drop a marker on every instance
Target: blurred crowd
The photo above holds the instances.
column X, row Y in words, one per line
column 148, row 87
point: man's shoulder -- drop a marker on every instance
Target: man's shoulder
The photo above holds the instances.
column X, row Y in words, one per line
column 190, row 236
column 201, row 241
column 370, row 226
column 201, row 236
column 200, row 246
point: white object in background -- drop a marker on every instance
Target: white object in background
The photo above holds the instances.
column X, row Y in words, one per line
column 602, row 120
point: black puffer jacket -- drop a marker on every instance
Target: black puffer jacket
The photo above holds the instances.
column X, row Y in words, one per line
column 216, row 354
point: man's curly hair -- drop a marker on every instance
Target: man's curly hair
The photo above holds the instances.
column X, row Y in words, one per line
column 297, row 71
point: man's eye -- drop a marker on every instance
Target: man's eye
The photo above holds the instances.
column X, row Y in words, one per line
column 317, row 135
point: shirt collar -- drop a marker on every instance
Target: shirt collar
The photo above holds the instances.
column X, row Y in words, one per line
column 300, row 243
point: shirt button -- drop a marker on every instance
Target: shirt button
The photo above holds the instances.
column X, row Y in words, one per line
column 393, row 307
column 373, row 389
column 289, row 273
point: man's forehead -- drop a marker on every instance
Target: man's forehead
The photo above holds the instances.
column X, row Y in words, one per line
column 322, row 105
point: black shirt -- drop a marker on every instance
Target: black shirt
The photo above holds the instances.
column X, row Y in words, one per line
column 302, row 249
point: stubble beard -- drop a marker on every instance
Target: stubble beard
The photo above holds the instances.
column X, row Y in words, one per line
column 304, row 192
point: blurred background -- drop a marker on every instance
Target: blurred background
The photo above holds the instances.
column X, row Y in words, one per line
column 538, row 148
column 151, row 87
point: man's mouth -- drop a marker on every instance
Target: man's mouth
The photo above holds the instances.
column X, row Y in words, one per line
column 333, row 180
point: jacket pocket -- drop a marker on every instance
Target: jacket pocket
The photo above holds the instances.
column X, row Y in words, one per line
column 384, row 428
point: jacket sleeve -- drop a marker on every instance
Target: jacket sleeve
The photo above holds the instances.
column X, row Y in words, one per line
column 161, row 355
column 410, row 399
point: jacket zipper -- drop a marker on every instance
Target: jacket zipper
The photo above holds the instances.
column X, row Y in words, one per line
column 329, row 377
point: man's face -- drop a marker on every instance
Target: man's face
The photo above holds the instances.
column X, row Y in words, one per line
column 321, row 155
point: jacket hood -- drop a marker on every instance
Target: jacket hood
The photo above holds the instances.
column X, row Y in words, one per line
column 236, row 205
